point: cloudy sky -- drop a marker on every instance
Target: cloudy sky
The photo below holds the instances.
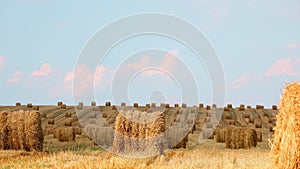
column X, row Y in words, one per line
column 257, row 41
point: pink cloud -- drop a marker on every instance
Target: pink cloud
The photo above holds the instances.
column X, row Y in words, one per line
column 1, row 62
column 293, row 46
column 44, row 71
column 285, row 66
column 244, row 80
column 15, row 78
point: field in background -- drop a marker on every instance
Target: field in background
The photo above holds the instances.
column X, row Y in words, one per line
column 84, row 154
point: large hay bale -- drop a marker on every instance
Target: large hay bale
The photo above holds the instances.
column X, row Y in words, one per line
column 286, row 146
column 107, row 104
column 66, row 134
column 18, row 104
column 242, row 107
column 207, row 107
column 135, row 105
column 220, row 135
column 21, row 131
column 183, row 105
column 240, row 137
column 78, row 130
column 274, row 107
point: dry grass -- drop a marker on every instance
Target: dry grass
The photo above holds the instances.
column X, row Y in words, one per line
column 200, row 159
column 286, row 146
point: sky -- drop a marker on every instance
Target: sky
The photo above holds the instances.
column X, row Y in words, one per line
column 257, row 42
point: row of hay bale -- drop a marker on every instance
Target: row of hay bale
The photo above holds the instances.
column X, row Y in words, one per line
column 21, row 130
column 139, row 132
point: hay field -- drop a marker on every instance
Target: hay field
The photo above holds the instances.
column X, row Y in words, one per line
column 82, row 153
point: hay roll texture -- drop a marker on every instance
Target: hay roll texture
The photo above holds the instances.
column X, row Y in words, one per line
column 286, row 146
column 240, row 137
column 66, row 134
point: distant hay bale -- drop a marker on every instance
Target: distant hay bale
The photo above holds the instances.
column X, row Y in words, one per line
column 227, row 116
column 167, row 105
column 29, row 105
column 49, row 129
column 183, row 105
column 201, row 105
column 249, row 107
column 113, row 107
column 78, row 130
column 220, row 135
column 81, row 104
column 51, row 121
column 153, row 104
column 214, row 106
column 242, row 107
column 176, row 105
column 274, row 107
column 226, row 109
column 43, row 115
column 251, row 119
column 68, row 114
column 18, row 104
column 207, row 107
column 21, row 131
column 68, row 123
column 64, row 106
column 259, row 136
column 230, row 122
column 286, row 146
column 93, row 104
column 66, row 134
column 59, row 104
column 240, row 137
column 258, row 124
column 107, row 104
column 135, row 105
column 36, row 108
column 260, row 107
column 147, row 105
column 123, row 104
column 229, row 106
column 247, row 114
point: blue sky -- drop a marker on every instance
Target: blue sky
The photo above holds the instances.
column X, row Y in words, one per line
column 258, row 43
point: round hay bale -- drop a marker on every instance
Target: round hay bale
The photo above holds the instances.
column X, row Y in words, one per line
column 251, row 119
column 183, row 105
column 220, row 135
column 286, row 154
column 43, row 115
column 229, row 106
column 79, row 106
column 68, row 123
column 29, row 105
column 68, row 114
column 51, row 121
column 227, row 116
column 240, row 137
column 66, row 134
column 271, row 119
column 214, row 106
column 18, row 104
column 247, row 114
column 242, row 107
column 153, row 104
column 259, row 136
column 201, row 105
column 135, row 105
column 113, row 107
column 123, row 104
column 259, row 107
column 148, row 106
column 230, row 122
column 258, row 124
column 36, row 107
column 64, row 106
column 78, row 130
column 226, row 109
column 249, row 107
column 107, row 104
column 274, row 107
column 59, row 104
column 93, row 104
column 167, row 105
column 207, row 107
column 176, row 105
